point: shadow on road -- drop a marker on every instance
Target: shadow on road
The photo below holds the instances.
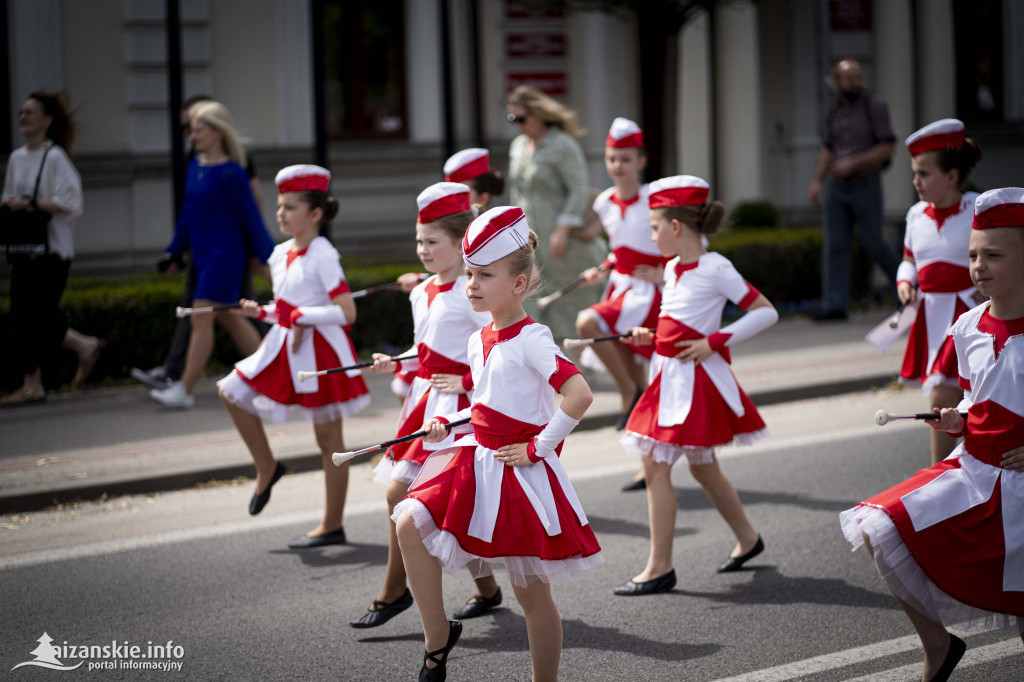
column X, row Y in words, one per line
column 771, row 587
column 691, row 499
column 338, row 555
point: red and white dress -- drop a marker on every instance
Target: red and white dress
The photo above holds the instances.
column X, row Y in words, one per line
column 627, row 301
column 937, row 239
column 688, row 408
column 949, row 540
column 444, row 321
column 474, row 511
column 266, row 383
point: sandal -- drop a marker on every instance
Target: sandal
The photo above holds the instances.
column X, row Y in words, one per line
column 22, row 397
column 440, row 657
column 87, row 362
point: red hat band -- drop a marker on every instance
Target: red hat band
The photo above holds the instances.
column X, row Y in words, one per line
column 1003, row 215
column 933, row 142
column 629, row 141
column 301, row 183
column 446, row 205
column 678, row 196
column 473, row 169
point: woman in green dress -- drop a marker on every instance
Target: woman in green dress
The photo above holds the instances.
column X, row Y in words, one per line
column 549, row 181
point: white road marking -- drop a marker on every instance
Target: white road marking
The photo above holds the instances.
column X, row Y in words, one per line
column 819, row 664
column 862, row 654
column 985, row 654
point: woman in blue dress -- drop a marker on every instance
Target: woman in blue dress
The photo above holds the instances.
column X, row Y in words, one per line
column 221, row 225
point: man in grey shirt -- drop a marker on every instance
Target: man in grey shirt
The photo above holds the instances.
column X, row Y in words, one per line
column 858, row 144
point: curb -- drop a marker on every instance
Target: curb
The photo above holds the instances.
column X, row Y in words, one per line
column 36, row 500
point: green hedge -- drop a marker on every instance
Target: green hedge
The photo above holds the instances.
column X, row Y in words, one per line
column 785, row 263
column 135, row 314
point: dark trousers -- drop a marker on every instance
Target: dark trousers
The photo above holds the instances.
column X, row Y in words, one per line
column 37, row 323
column 848, row 203
column 174, row 364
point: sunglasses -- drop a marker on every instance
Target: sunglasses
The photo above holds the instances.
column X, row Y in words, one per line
column 515, row 120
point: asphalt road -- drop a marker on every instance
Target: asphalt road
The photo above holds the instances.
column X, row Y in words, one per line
column 192, row 569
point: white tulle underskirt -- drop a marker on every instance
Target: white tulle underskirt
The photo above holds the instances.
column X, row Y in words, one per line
column 522, row 570
column 669, row 453
column 403, row 470
column 905, row 577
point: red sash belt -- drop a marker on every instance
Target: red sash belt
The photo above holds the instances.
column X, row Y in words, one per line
column 493, row 429
column 284, row 312
column 626, row 260
column 432, row 362
column 671, row 330
column 944, row 278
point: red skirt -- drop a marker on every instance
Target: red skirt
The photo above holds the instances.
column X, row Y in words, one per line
column 963, row 555
column 915, row 358
column 711, row 422
column 450, row 498
column 276, row 380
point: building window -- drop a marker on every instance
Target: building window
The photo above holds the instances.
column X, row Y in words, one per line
column 979, row 59
column 364, row 89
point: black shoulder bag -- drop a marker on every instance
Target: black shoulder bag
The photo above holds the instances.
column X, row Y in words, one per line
column 24, row 233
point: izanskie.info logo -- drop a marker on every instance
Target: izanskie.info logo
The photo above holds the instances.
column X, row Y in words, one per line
column 113, row 656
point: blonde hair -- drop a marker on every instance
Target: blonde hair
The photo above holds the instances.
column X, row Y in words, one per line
column 217, row 116
column 521, row 262
column 548, row 110
column 705, row 218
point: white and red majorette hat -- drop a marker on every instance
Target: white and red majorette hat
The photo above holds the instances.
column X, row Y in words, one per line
column 441, row 199
column 495, row 234
column 467, row 164
column 623, row 134
column 679, row 190
column 949, row 132
column 999, row 208
column 302, row 177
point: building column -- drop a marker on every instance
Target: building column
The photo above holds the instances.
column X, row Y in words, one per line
column 895, row 80
column 936, row 75
column 739, row 151
column 694, row 131
column 294, row 73
column 35, row 35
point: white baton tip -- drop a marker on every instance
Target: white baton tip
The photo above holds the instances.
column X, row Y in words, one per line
column 304, row 375
column 179, row 311
column 340, row 458
column 881, row 417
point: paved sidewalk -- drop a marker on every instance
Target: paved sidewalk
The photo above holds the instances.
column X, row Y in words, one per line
column 117, row 441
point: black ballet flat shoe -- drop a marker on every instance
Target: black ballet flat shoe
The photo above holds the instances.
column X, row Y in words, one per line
column 735, row 563
column 631, row 588
column 335, row 537
column 957, row 647
column 635, row 485
column 259, row 500
column 381, row 611
column 440, row 657
column 478, row 605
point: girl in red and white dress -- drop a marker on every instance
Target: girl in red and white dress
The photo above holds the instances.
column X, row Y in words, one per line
column 949, row 541
column 693, row 403
column 935, row 260
column 311, row 309
column 471, row 167
column 444, row 321
column 501, row 494
column 635, row 266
